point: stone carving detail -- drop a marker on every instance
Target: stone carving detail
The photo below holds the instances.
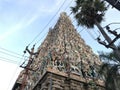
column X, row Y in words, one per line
column 63, row 48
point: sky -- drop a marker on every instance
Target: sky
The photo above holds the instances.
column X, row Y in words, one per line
column 24, row 22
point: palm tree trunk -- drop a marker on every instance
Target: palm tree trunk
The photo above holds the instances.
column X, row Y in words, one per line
column 104, row 33
column 108, row 39
column 116, row 85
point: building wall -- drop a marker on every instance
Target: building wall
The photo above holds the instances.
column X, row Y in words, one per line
column 64, row 51
column 55, row 80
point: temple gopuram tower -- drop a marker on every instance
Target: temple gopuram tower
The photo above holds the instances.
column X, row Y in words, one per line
column 64, row 62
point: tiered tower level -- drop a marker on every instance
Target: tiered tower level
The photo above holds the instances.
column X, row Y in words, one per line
column 64, row 62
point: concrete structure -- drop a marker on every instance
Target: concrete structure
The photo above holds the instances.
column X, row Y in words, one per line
column 64, row 62
column 56, row 80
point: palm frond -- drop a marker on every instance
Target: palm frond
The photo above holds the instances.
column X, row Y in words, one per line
column 74, row 9
column 104, row 69
column 108, row 57
column 89, row 12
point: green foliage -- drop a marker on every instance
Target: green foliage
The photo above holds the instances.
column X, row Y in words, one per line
column 87, row 12
column 111, row 56
column 111, row 70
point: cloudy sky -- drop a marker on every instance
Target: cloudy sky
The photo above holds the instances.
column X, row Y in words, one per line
column 22, row 20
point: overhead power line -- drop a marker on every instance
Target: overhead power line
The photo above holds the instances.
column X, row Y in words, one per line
column 81, row 30
column 48, row 23
column 53, row 18
column 15, row 72
column 8, row 60
column 47, row 32
column 14, row 54
column 69, row 4
column 111, row 24
column 10, row 51
column 93, row 37
column 44, row 28
column 11, row 55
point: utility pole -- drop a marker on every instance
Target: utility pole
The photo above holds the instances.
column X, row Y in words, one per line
column 109, row 40
column 27, row 67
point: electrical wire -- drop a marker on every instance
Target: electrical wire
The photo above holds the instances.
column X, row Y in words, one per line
column 10, row 51
column 54, row 17
column 88, row 31
column 81, row 30
column 116, row 29
column 33, row 39
column 47, row 32
column 19, row 63
column 112, row 23
column 48, row 23
column 68, row 5
column 8, row 60
column 11, row 55
column 14, row 74
column 96, row 33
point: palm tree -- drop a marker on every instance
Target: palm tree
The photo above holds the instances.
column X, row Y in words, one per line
column 111, row 69
column 112, row 76
column 90, row 13
column 110, row 56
